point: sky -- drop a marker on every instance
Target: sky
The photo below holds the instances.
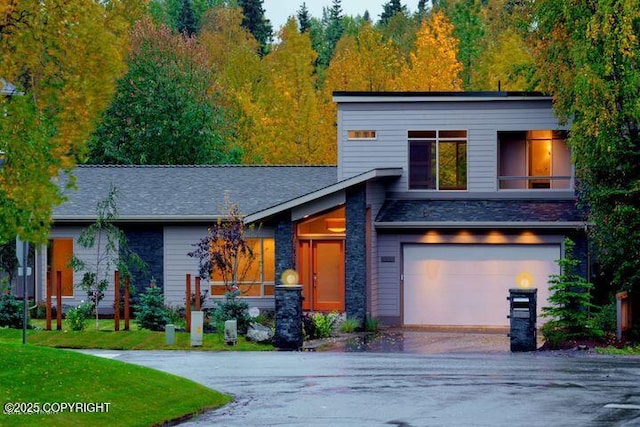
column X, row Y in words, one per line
column 277, row 11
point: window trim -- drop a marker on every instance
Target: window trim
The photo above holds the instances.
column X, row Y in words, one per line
column 556, row 135
column 261, row 282
column 437, row 139
column 355, row 136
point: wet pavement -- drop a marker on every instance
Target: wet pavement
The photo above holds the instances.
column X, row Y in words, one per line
column 429, row 379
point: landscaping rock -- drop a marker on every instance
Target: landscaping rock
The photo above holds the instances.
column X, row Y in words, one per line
column 259, row 333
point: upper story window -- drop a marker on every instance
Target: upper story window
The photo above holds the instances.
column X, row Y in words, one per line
column 534, row 160
column 361, row 134
column 438, row 160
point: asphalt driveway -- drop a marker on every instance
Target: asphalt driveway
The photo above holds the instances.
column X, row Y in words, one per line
column 409, row 388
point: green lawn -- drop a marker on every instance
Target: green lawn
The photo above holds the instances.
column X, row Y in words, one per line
column 137, row 396
column 134, row 339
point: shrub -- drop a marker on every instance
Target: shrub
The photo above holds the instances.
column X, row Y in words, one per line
column 324, row 324
column 308, row 327
column 231, row 308
column 10, row 310
column 151, row 312
column 371, row 324
column 349, row 325
column 77, row 317
column 570, row 304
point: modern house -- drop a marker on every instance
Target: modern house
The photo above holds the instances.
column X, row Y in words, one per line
column 439, row 203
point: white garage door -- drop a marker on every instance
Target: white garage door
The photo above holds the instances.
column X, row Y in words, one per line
column 467, row 285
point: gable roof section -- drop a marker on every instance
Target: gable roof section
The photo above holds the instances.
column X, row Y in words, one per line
column 372, row 174
column 187, row 193
column 480, row 214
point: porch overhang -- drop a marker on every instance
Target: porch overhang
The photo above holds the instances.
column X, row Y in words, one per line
column 409, row 225
column 373, row 174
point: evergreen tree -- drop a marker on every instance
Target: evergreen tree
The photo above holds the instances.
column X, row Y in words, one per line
column 164, row 111
column 390, row 9
column 332, row 34
column 304, row 20
column 422, row 10
column 187, row 19
column 367, row 17
column 255, row 21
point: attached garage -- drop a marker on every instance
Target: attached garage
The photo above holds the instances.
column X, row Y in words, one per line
column 467, row 285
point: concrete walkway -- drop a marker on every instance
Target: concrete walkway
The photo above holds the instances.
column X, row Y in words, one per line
column 423, row 341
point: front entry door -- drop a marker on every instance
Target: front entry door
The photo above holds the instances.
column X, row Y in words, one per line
column 321, row 266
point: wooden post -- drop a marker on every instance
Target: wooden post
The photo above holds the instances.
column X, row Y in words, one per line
column 126, row 303
column 59, row 300
column 48, row 324
column 116, row 303
column 188, row 303
column 198, row 302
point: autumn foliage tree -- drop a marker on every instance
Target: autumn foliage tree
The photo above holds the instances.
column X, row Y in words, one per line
column 433, row 65
column 65, row 58
column 167, row 108
column 285, row 113
column 587, row 57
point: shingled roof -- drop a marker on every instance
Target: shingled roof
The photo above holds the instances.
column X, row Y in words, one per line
column 480, row 212
column 188, row 193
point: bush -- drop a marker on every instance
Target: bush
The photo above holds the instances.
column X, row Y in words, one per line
column 77, row 317
column 570, row 304
column 308, row 327
column 229, row 309
column 349, row 325
column 371, row 324
column 151, row 312
column 325, row 324
column 10, row 310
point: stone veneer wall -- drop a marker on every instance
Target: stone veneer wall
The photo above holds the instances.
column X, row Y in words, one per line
column 148, row 243
column 284, row 256
column 355, row 255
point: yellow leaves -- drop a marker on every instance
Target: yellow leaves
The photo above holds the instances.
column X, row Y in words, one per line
column 433, row 64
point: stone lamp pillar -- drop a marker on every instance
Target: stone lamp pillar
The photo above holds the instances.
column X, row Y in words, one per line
column 289, row 312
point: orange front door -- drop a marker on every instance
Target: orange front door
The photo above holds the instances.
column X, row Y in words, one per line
column 321, row 266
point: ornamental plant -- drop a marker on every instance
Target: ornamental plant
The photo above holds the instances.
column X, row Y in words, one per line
column 151, row 312
column 570, row 303
column 10, row 309
column 111, row 252
column 77, row 317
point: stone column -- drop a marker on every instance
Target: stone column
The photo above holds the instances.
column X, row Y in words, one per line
column 356, row 255
column 288, row 317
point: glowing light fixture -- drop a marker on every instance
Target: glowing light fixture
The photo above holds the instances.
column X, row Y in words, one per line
column 289, row 277
column 524, row 280
column 336, row 225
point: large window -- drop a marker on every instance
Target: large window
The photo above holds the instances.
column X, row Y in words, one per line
column 438, row 160
column 258, row 276
column 533, row 160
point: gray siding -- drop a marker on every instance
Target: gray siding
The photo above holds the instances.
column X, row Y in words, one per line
column 86, row 255
column 482, row 120
column 375, row 200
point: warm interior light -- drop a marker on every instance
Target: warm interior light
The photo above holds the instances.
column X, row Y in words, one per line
column 336, row 225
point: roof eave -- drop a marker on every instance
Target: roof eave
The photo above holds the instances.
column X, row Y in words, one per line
column 339, row 186
column 399, row 225
column 70, row 219
column 385, row 97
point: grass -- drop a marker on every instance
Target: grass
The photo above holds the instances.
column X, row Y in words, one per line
column 615, row 351
column 137, row 396
column 135, row 339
